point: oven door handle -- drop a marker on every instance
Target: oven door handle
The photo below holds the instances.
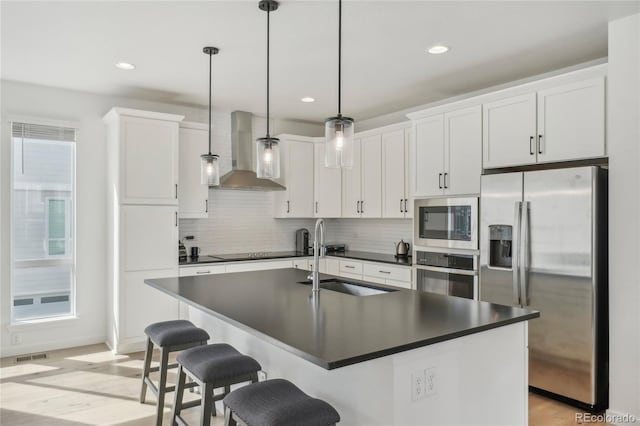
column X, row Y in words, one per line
column 446, row 270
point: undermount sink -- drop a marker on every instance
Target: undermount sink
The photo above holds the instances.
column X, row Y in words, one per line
column 352, row 289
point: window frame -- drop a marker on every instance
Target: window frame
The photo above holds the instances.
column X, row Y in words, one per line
column 70, row 209
column 68, row 235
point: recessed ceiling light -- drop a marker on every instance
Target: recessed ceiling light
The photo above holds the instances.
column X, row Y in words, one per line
column 125, row 66
column 308, row 99
column 438, row 49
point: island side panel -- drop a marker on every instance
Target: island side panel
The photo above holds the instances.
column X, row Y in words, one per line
column 480, row 379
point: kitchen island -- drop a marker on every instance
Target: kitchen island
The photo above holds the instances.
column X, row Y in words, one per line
column 400, row 357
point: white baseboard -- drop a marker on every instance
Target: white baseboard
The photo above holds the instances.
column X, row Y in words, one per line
column 621, row 419
column 13, row 350
column 129, row 346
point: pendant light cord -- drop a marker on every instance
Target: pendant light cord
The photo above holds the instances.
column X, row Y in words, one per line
column 339, row 58
column 210, row 61
column 268, row 31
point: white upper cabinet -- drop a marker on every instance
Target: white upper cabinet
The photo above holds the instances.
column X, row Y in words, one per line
column 351, row 184
column 561, row 123
column 393, row 174
column 463, row 151
column 371, row 160
column 297, row 165
column 428, row 162
column 362, row 184
column 149, row 161
column 193, row 197
column 571, row 121
column 509, row 131
column 448, row 158
column 327, row 188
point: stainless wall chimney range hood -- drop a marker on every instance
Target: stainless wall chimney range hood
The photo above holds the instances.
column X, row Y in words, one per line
column 242, row 175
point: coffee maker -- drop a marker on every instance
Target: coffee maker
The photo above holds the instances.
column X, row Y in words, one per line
column 302, row 241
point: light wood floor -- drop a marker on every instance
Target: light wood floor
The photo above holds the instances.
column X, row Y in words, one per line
column 91, row 386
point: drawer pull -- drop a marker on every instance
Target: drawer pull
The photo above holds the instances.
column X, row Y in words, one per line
column 384, row 272
column 350, row 266
column 203, row 272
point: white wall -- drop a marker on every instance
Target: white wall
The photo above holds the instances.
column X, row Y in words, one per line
column 19, row 99
column 624, row 215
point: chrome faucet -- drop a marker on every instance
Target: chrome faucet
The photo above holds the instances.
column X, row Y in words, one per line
column 318, row 251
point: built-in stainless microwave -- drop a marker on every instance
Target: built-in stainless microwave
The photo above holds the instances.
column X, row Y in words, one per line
column 446, row 223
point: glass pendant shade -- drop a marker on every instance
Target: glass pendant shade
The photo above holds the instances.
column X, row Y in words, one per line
column 209, row 170
column 268, row 158
column 338, row 133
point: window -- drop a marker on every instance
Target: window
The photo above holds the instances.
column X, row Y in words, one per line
column 42, row 221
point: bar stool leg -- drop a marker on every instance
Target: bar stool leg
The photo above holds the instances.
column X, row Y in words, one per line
column 228, row 417
column 177, row 404
column 162, row 385
column 145, row 371
column 206, row 404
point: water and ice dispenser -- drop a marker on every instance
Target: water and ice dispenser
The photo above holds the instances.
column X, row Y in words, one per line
column 500, row 246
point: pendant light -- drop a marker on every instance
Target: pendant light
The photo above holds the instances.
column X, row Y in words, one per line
column 209, row 167
column 267, row 148
column 338, row 130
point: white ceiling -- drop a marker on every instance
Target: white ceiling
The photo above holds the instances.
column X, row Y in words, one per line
column 76, row 44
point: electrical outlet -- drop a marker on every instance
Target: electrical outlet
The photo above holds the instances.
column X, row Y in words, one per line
column 430, row 381
column 418, row 385
column 16, row 338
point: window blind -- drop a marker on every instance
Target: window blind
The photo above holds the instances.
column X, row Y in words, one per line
column 41, row 131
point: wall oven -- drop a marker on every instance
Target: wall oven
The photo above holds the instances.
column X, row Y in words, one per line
column 445, row 273
column 446, row 223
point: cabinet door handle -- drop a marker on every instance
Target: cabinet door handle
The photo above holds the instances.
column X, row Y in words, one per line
column 316, row 207
column 384, row 272
column 539, row 144
column 445, row 181
column 176, row 214
column 176, row 191
column 531, row 152
column 401, row 211
column 361, row 206
column 358, row 206
column 288, row 206
column 206, row 206
column 440, row 180
column 405, row 206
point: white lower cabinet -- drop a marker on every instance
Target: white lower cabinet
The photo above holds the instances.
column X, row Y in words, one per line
column 190, row 271
column 375, row 272
column 331, row 266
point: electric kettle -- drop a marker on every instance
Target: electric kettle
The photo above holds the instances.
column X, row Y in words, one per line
column 402, row 248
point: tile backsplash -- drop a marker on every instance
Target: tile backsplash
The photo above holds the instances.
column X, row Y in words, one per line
column 242, row 221
column 239, row 222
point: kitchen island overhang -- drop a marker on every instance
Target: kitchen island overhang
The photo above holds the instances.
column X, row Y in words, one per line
column 363, row 354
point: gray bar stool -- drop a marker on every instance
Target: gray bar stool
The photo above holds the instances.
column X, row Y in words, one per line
column 211, row 367
column 276, row 402
column 169, row 336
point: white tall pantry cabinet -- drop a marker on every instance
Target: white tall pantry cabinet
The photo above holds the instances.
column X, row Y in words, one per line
column 142, row 154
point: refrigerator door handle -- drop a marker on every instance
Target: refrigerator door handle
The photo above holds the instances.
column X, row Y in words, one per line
column 515, row 257
column 524, row 255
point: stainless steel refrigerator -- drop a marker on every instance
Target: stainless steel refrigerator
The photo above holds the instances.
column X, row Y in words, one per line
column 543, row 239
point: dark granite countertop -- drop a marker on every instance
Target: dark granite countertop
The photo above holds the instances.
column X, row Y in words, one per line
column 252, row 257
column 373, row 257
column 339, row 329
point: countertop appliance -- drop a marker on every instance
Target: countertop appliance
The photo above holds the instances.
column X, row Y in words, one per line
column 452, row 274
column 335, row 248
column 402, row 248
column 446, row 223
column 302, row 241
column 182, row 252
column 543, row 245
